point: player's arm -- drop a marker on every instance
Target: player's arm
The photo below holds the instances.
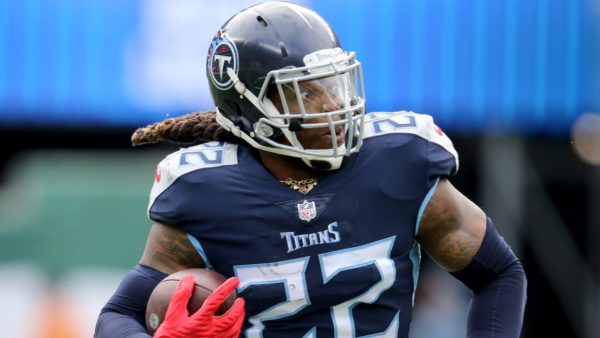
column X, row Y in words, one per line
column 459, row 237
column 167, row 250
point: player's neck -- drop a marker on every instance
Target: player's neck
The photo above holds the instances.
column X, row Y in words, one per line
column 284, row 167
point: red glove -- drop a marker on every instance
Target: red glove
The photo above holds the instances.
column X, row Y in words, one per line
column 203, row 323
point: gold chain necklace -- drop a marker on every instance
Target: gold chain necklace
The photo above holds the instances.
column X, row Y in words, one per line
column 301, row 186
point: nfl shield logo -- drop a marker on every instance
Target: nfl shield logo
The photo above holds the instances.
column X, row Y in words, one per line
column 307, row 211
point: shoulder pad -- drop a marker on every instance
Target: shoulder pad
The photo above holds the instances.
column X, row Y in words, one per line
column 186, row 160
column 405, row 122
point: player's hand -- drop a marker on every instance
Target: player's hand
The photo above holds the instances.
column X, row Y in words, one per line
column 203, row 323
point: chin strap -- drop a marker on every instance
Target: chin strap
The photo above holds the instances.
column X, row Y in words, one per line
column 326, row 163
column 227, row 124
column 323, row 164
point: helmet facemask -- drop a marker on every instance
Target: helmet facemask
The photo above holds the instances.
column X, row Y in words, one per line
column 326, row 94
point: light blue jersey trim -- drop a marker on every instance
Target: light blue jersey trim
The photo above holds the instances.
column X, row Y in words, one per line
column 311, row 334
column 415, row 258
column 415, row 252
column 200, row 250
column 424, row 204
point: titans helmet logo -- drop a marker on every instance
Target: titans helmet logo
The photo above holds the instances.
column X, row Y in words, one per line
column 222, row 54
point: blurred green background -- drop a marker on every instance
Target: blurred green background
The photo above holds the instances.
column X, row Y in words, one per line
column 63, row 208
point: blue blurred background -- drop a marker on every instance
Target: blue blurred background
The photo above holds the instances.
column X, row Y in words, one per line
column 504, row 66
column 516, row 84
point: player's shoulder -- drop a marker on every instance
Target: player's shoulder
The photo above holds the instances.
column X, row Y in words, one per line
column 194, row 158
column 405, row 122
column 400, row 122
column 203, row 159
column 405, row 125
column 201, row 156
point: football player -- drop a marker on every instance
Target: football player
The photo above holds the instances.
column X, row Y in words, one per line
column 315, row 210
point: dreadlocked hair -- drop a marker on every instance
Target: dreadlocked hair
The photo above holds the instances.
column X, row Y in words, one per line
column 193, row 128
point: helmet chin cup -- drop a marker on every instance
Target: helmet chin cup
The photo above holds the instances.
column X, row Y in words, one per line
column 324, row 163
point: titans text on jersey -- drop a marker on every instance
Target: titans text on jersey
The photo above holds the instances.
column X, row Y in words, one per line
column 340, row 261
column 295, row 242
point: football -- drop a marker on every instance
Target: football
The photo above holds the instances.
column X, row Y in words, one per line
column 206, row 282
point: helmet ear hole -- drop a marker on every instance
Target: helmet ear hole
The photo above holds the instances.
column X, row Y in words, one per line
column 261, row 21
column 239, row 119
column 284, row 52
column 238, row 109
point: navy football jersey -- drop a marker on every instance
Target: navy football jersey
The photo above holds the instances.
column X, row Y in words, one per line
column 340, row 261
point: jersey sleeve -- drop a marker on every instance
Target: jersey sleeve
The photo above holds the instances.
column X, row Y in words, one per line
column 181, row 176
column 441, row 155
column 438, row 152
column 164, row 205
